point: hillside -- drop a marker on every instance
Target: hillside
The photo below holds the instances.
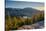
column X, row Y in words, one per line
column 21, row 12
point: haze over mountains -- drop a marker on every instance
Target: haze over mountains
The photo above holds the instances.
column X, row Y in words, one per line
column 21, row 12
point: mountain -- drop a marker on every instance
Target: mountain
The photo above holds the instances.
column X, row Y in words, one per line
column 20, row 12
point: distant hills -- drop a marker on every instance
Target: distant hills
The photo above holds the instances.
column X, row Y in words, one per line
column 20, row 12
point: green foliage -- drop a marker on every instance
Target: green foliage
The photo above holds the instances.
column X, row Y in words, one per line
column 15, row 22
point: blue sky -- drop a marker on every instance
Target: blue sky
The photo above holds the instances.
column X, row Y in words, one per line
column 24, row 4
column 19, row 4
column 27, row 0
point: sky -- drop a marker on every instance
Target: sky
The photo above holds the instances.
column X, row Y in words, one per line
column 27, row 0
column 24, row 4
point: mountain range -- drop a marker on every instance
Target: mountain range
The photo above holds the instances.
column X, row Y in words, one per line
column 20, row 12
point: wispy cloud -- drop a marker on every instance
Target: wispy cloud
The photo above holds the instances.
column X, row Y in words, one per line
column 21, row 4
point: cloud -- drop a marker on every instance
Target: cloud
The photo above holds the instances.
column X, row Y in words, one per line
column 22, row 4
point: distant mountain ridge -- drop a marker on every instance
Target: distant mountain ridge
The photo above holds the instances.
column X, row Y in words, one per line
column 20, row 12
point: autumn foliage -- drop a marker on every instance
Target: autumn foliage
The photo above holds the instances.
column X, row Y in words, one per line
column 13, row 22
